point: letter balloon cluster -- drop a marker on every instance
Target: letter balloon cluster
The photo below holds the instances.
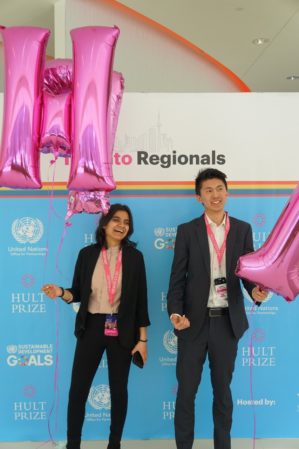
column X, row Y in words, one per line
column 69, row 108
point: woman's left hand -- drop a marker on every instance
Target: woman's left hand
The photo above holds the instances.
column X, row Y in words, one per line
column 142, row 348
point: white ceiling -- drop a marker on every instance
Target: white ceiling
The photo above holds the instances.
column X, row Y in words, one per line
column 224, row 29
column 29, row 13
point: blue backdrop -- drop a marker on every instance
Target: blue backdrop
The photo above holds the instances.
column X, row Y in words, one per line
column 37, row 341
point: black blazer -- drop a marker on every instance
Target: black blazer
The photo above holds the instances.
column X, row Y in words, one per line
column 133, row 312
column 190, row 277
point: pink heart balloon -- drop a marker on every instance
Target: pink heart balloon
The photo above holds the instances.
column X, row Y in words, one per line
column 89, row 202
column 275, row 266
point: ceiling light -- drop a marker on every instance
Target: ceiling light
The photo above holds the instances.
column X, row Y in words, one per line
column 292, row 77
column 260, row 41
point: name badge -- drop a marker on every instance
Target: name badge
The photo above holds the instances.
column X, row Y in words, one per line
column 221, row 287
column 111, row 326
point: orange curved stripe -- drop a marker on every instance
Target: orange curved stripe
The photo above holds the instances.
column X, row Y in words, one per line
column 236, row 80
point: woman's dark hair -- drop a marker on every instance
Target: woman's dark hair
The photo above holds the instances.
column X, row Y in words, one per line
column 209, row 173
column 104, row 220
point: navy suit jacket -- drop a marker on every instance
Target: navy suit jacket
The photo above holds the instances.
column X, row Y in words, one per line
column 133, row 311
column 191, row 275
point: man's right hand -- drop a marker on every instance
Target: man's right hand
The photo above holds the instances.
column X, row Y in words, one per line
column 180, row 322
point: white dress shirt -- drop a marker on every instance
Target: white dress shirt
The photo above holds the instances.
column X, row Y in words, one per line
column 217, row 271
column 99, row 297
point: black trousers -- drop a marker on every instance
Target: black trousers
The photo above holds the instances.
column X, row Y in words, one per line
column 88, row 355
column 217, row 340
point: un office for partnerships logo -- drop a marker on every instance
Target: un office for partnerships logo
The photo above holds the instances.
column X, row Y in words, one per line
column 170, row 342
column 165, row 237
column 99, row 397
column 27, row 230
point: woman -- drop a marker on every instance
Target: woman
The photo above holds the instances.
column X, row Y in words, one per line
column 110, row 284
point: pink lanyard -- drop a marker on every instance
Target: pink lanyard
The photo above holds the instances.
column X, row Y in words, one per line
column 112, row 283
column 219, row 251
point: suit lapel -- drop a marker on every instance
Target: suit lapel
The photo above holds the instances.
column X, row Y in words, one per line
column 202, row 237
column 230, row 244
column 92, row 260
column 125, row 268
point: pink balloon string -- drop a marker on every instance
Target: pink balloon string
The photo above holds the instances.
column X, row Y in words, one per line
column 56, row 399
column 51, row 210
column 67, row 224
column 251, row 340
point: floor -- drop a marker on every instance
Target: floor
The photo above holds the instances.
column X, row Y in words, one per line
column 162, row 444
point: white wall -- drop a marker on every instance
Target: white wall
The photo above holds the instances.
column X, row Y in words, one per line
column 150, row 60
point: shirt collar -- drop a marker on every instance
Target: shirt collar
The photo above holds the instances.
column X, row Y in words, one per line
column 211, row 222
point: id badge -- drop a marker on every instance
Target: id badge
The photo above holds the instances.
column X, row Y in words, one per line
column 111, row 326
column 221, row 287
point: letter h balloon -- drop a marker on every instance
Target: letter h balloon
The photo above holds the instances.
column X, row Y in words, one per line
column 69, row 108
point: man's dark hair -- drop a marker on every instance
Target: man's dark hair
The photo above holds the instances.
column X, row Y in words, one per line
column 100, row 231
column 208, row 173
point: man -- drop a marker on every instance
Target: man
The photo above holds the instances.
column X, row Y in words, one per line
column 206, row 306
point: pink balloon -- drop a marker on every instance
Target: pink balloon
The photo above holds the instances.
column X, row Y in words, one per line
column 91, row 167
column 89, row 202
column 57, row 98
column 98, row 201
column 24, row 52
column 275, row 266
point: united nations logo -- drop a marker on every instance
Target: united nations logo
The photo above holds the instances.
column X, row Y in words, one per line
column 99, row 397
column 170, row 342
column 27, row 230
column 159, row 232
column 12, row 349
